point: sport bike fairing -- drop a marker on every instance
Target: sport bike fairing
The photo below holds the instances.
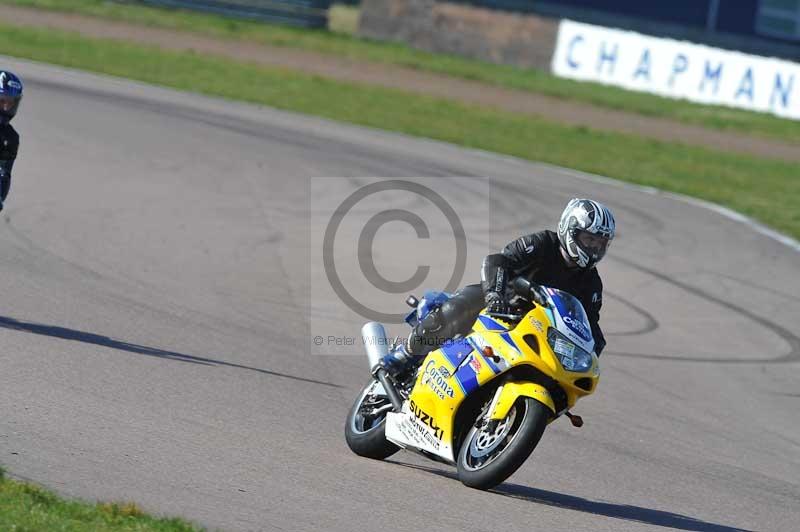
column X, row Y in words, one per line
column 450, row 374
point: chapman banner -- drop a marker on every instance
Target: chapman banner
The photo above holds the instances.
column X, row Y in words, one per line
column 677, row 69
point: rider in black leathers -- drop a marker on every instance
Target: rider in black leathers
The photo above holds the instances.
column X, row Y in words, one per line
column 10, row 96
column 565, row 260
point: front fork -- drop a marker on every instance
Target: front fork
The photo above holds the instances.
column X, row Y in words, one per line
column 485, row 421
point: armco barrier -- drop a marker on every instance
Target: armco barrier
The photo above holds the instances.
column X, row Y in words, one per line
column 305, row 13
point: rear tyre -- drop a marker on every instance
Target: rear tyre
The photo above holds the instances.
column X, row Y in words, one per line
column 490, row 455
column 365, row 429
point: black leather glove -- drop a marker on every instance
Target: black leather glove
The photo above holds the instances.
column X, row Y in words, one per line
column 497, row 304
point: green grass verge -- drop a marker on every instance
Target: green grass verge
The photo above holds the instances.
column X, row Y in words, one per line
column 342, row 44
column 768, row 190
column 26, row 507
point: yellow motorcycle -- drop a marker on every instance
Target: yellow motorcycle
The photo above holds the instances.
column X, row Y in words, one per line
column 481, row 401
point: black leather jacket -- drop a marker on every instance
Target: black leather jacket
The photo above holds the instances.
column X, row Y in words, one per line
column 538, row 258
column 9, row 145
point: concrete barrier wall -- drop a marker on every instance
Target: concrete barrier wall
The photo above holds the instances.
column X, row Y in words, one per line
column 494, row 36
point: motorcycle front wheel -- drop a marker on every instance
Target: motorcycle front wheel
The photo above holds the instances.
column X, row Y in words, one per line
column 492, row 453
column 365, row 428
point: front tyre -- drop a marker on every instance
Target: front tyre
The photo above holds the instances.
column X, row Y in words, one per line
column 491, row 454
column 365, row 429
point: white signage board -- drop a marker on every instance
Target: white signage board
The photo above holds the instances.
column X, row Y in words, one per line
column 677, row 69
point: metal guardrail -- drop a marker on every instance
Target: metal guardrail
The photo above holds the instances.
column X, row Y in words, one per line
column 305, row 13
column 517, row 6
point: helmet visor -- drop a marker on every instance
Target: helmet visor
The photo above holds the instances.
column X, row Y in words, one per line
column 593, row 245
column 8, row 105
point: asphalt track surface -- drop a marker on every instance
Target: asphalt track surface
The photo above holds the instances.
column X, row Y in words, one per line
column 155, row 346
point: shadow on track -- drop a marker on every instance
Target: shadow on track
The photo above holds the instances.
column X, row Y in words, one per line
column 625, row 512
column 607, row 509
column 64, row 333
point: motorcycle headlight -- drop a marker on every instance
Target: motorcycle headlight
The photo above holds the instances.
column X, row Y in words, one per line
column 572, row 357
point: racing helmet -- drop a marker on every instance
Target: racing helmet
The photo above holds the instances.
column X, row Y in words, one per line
column 10, row 95
column 585, row 231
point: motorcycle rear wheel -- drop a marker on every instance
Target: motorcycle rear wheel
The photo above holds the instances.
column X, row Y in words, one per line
column 488, row 457
column 365, row 433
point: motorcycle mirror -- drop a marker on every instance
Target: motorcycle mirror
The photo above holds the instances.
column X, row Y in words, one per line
column 412, row 301
column 539, row 297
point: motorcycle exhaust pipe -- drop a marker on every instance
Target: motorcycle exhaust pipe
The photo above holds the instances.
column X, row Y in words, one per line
column 375, row 342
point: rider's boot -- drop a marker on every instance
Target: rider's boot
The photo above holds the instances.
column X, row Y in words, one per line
column 398, row 360
column 422, row 339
